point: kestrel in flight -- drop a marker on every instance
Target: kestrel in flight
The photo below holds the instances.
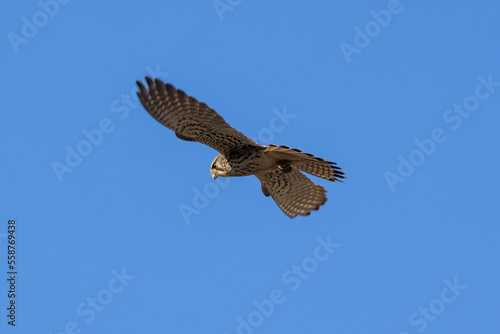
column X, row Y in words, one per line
column 278, row 168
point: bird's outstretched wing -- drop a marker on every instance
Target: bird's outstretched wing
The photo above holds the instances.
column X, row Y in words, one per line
column 294, row 192
column 191, row 120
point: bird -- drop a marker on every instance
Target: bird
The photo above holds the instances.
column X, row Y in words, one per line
column 278, row 168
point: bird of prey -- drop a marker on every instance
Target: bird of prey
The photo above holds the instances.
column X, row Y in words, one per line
column 278, row 168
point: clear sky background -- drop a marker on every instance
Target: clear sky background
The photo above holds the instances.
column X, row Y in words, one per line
column 131, row 235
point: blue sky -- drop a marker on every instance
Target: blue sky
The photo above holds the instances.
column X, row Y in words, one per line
column 404, row 96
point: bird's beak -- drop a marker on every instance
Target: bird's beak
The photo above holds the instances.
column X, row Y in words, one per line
column 214, row 173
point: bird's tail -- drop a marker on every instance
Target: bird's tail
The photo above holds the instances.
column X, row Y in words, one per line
column 307, row 162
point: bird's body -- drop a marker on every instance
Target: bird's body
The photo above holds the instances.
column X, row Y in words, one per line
column 277, row 167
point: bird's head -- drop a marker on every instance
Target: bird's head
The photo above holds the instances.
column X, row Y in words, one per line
column 220, row 167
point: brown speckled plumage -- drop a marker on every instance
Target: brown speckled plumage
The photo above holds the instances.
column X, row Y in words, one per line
column 277, row 167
